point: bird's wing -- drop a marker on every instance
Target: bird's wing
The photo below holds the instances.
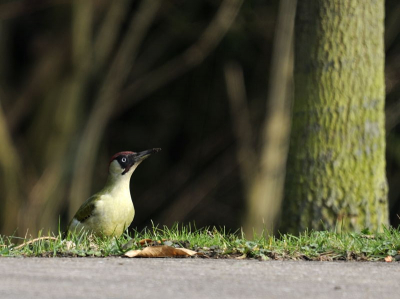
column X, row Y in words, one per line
column 87, row 208
column 85, row 211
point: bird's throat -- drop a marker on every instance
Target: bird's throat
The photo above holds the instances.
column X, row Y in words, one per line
column 117, row 183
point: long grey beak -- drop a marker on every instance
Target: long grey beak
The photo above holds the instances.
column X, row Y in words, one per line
column 140, row 156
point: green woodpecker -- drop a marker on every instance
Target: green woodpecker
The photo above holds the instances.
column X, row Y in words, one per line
column 110, row 211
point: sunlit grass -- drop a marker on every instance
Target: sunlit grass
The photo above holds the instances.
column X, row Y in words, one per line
column 216, row 243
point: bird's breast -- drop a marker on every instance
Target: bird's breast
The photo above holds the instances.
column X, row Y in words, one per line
column 115, row 211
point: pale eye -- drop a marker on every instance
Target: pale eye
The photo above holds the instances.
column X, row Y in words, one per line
column 123, row 160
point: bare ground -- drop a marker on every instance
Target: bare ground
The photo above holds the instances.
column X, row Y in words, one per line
column 194, row 278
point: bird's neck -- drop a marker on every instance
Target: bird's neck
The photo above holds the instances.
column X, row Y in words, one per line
column 118, row 183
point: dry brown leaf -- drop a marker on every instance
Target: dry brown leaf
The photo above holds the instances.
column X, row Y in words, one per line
column 150, row 241
column 388, row 259
column 145, row 242
column 161, row 251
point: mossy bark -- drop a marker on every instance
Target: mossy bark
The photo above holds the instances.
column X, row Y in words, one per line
column 336, row 165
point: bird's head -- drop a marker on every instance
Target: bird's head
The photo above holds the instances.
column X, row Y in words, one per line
column 126, row 162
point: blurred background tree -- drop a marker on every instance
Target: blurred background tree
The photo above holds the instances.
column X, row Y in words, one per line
column 81, row 80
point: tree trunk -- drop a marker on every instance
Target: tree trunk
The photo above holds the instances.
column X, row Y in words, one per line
column 336, row 164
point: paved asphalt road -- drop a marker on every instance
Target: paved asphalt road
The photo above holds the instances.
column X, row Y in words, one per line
column 194, row 278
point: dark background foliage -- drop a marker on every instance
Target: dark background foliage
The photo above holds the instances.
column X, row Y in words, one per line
column 196, row 177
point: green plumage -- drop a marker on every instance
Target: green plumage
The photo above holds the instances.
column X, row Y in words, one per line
column 87, row 208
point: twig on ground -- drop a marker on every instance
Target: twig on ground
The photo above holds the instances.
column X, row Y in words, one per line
column 34, row 241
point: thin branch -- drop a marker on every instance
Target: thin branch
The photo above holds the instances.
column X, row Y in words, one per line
column 82, row 26
column 34, row 241
column 61, row 106
column 44, row 74
column 10, row 170
column 8, row 152
column 246, row 154
column 196, row 192
column 264, row 200
column 15, row 9
column 190, row 58
column 108, row 32
column 180, row 175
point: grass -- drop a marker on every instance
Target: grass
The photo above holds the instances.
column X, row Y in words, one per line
column 217, row 243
